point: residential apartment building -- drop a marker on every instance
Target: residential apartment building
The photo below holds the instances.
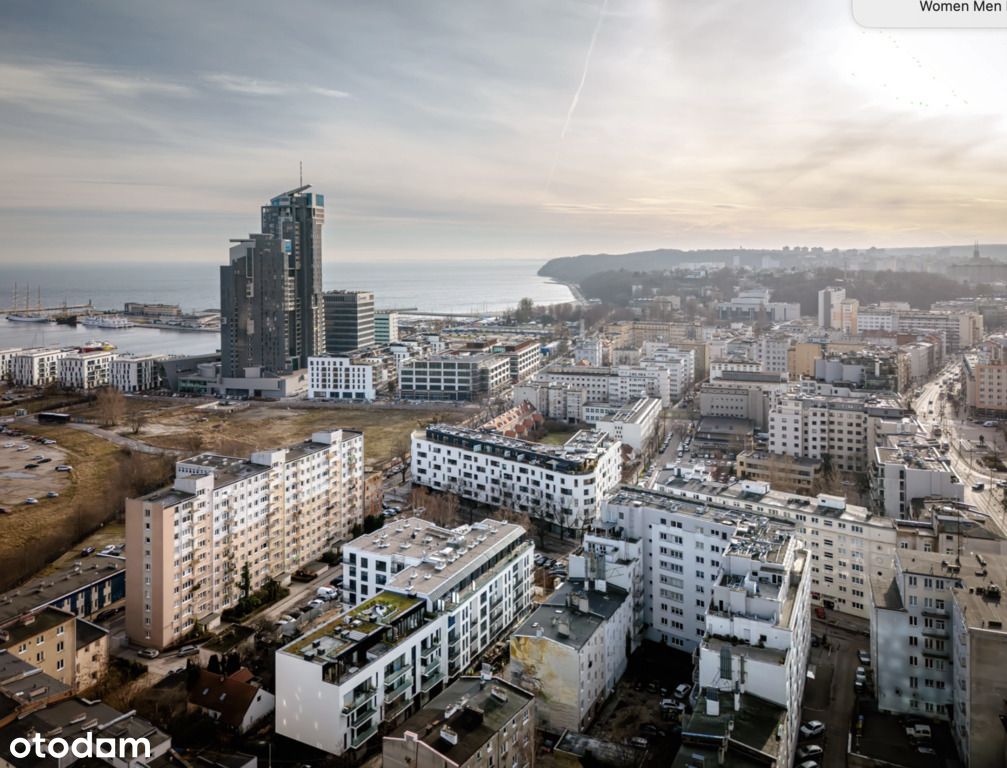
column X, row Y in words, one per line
column 906, row 469
column 938, row 643
column 743, row 395
column 454, row 377
column 572, row 650
column 844, row 316
column 349, row 321
column 85, row 370
column 476, row 722
column 386, row 327
column 36, row 367
column 771, row 351
column 335, row 377
column 758, row 626
column 6, row 361
column 984, row 377
column 828, row 300
column 190, row 543
column 732, row 365
column 394, row 652
column 135, row 373
column 635, row 424
column 844, row 428
column 589, row 350
column 562, row 485
column 959, row 329
column 667, row 379
column 524, row 357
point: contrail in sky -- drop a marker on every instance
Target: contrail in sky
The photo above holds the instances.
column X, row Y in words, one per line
column 580, row 85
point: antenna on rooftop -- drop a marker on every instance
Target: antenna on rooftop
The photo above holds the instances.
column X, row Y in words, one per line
column 300, row 173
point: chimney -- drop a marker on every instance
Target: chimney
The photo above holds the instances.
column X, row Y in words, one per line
column 583, row 604
column 449, row 735
column 563, row 627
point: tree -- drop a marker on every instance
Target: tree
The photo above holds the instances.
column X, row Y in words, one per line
column 111, row 404
column 525, row 307
column 137, row 420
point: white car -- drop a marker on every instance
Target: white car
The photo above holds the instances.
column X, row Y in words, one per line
column 812, row 728
column 681, row 691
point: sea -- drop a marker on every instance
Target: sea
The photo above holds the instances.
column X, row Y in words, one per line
column 430, row 286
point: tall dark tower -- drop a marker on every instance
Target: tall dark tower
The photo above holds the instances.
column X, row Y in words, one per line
column 296, row 219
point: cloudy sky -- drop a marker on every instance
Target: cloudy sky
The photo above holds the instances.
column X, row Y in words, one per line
column 137, row 130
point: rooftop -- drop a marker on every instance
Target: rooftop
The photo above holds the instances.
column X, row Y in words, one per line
column 751, row 728
column 606, row 754
column 576, row 455
column 470, row 712
column 34, row 624
column 433, row 558
column 571, row 615
column 56, row 586
column 980, row 582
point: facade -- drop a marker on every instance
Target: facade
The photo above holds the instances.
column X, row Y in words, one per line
column 335, row 377
column 476, row 722
column 560, row 485
column 190, row 544
column 36, row 367
column 782, row 472
column 828, row 300
column 666, row 375
column 135, row 373
column 47, row 640
column 83, row 589
column 732, row 365
column 844, row 428
column 844, row 316
column 85, row 370
column 393, row 652
column 758, row 626
column 635, row 424
column 454, row 377
column 572, row 650
column 905, row 470
column 524, row 357
column 259, row 309
column 386, row 327
column 231, row 700
column 296, row 218
column 984, row 377
column 743, row 395
column 349, row 321
column 590, row 350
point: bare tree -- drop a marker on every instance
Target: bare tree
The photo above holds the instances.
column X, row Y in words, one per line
column 111, row 404
column 137, row 420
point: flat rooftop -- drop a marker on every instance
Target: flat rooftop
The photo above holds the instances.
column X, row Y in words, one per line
column 58, row 585
column 585, row 447
column 562, row 618
column 752, row 727
column 473, row 711
column 35, row 624
column 436, row 558
column 980, row 583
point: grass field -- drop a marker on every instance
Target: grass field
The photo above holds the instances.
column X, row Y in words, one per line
column 32, row 535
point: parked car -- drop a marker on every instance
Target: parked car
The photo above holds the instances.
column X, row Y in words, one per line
column 682, row 690
column 148, row 653
column 32, row 465
column 31, row 500
column 188, row 650
column 649, row 729
column 52, row 495
column 861, row 673
column 809, row 750
column 87, row 551
column 809, row 764
column 864, row 657
column 44, row 460
column 812, row 728
column 64, row 468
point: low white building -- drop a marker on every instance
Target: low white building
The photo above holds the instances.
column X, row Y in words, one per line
column 384, row 659
column 85, row 370
column 7, row 360
column 135, row 373
column 340, row 377
column 572, row 650
column 906, row 470
column 37, row 367
column 561, row 485
column 635, row 424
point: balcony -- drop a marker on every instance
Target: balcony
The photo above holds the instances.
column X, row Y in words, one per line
column 426, row 653
column 432, row 680
column 391, row 694
column 362, row 715
column 358, row 738
column 396, row 675
column 359, row 698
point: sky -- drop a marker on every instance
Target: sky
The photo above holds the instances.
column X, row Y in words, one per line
column 133, row 130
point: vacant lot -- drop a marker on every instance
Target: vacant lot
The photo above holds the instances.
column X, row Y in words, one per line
column 31, row 535
column 255, row 426
column 18, row 482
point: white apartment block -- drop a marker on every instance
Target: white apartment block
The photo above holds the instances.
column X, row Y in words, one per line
column 758, row 625
column 827, row 299
column 904, row 470
column 743, row 395
column 961, row 330
column 447, row 596
column 635, row 424
column 37, row 367
column 454, row 377
column 273, row 513
column 342, row 378
column 85, row 370
column 572, row 650
column 739, row 365
column 560, row 402
column 845, row 316
column 589, row 350
column 682, row 372
column 771, row 352
column 524, row 357
column 7, row 360
column 984, row 376
column 667, row 379
column 844, row 428
column 561, row 485
column 135, row 373
column 386, row 327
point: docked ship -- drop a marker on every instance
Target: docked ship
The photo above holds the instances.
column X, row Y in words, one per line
column 27, row 315
column 96, row 346
column 105, row 321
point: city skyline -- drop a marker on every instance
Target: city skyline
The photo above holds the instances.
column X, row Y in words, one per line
column 483, row 131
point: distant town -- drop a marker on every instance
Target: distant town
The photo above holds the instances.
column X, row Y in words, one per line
column 744, row 510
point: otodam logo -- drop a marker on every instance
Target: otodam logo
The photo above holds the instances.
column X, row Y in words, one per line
column 83, row 746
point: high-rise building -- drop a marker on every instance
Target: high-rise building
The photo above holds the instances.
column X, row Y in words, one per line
column 828, row 299
column 386, row 327
column 256, row 306
column 349, row 321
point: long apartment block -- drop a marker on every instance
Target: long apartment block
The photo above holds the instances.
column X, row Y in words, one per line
column 562, row 485
column 429, row 601
column 273, row 512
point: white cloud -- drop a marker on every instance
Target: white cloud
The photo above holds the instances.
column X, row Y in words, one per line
column 255, row 87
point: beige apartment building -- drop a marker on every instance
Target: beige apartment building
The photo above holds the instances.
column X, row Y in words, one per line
column 69, row 649
column 274, row 512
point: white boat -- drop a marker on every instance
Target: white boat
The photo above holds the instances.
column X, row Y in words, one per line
column 105, row 321
column 28, row 318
